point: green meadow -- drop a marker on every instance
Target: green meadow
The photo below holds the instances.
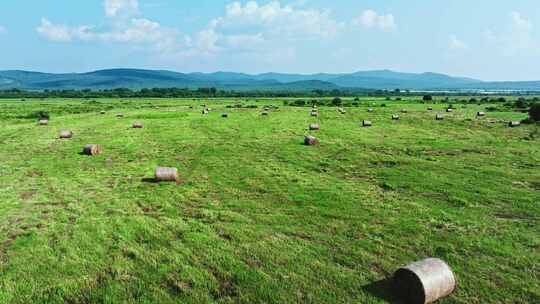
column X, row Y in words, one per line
column 258, row 217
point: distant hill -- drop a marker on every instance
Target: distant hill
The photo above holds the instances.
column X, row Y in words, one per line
column 138, row 78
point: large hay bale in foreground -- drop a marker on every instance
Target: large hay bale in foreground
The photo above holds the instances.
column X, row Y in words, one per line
column 310, row 141
column 367, row 123
column 65, row 134
column 137, row 125
column 424, row 281
column 166, row 174
column 314, row 127
column 514, row 124
column 92, row 149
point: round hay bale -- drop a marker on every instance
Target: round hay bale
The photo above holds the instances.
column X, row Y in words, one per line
column 314, row 114
column 310, row 141
column 395, row 117
column 481, row 114
column 404, row 111
column 92, row 149
column 137, row 125
column 265, row 113
column 225, row 115
column 166, row 174
column 370, row 110
column 342, row 110
column 367, row 123
column 514, row 124
column 65, row 134
column 430, row 109
column 120, row 115
column 424, row 281
column 449, row 110
column 43, row 122
column 314, row 127
column 439, row 117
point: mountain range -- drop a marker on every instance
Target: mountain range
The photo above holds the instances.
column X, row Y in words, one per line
column 139, row 78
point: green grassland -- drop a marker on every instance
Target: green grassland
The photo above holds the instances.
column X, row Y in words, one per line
column 259, row 217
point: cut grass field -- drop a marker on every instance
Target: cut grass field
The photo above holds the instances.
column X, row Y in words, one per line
column 259, row 217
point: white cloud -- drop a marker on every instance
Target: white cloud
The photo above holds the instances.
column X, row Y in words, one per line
column 262, row 29
column 123, row 28
column 116, row 8
column 254, row 27
column 516, row 40
column 371, row 19
column 456, row 44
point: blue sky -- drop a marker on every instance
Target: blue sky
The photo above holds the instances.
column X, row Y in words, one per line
column 489, row 40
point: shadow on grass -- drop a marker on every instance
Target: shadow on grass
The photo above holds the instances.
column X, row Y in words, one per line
column 385, row 290
column 149, row 180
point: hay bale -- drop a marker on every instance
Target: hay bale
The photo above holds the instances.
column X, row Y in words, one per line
column 314, row 114
column 137, row 125
column 430, row 108
column 43, row 122
column 92, row 149
column 395, row 117
column 404, row 111
column 225, row 115
column 366, row 123
column 449, row 110
column 314, row 127
column 102, row 112
column 424, row 281
column 120, row 115
column 310, row 140
column 65, row 134
column 481, row 114
column 342, row 110
column 439, row 117
column 265, row 113
column 514, row 124
column 205, row 111
column 370, row 110
column 167, row 174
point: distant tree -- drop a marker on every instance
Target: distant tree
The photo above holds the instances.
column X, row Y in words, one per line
column 534, row 112
column 521, row 103
column 336, row 101
column 427, row 98
column 299, row 103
